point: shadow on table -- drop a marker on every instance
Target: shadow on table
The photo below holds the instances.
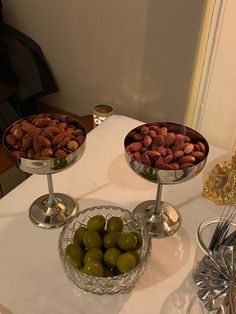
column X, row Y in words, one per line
column 168, row 256
column 4, row 310
column 90, row 303
column 117, row 175
column 183, row 300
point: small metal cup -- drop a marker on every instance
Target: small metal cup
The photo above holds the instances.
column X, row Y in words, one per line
column 101, row 113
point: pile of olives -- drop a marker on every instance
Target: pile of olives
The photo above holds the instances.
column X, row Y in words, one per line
column 103, row 248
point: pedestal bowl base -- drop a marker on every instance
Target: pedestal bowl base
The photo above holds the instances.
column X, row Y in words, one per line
column 52, row 214
column 160, row 225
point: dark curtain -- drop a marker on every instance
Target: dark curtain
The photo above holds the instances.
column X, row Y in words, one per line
column 23, row 65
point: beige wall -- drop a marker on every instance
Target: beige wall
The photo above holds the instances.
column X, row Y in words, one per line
column 137, row 55
column 216, row 114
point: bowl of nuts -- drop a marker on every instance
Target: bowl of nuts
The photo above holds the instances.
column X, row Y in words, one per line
column 46, row 144
column 164, row 153
column 104, row 249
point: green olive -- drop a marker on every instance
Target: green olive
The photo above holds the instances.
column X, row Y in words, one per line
column 93, row 268
column 110, row 257
column 97, row 223
column 92, row 239
column 126, row 262
column 115, row 224
column 110, row 239
column 127, row 241
column 139, row 240
column 74, row 255
column 93, row 254
column 78, row 236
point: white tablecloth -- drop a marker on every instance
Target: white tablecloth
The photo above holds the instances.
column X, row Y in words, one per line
column 32, row 280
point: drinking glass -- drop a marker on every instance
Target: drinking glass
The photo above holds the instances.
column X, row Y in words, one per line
column 101, row 113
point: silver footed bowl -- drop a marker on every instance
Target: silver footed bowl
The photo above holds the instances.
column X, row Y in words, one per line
column 46, row 144
column 105, row 285
column 164, row 153
column 51, row 165
column 163, row 176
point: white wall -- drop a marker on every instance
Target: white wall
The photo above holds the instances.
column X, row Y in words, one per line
column 137, row 55
column 218, row 120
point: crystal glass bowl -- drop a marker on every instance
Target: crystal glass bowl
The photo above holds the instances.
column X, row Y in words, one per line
column 105, row 285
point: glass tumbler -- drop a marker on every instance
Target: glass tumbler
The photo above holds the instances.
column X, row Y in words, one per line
column 101, row 113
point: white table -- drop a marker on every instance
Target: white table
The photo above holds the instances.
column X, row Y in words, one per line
column 32, row 280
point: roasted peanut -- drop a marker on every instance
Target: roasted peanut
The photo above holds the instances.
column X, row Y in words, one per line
column 160, row 140
column 186, row 165
column 187, row 159
column 134, row 147
column 42, row 122
column 188, row 148
column 144, row 130
column 178, row 154
column 147, row 141
column 153, row 154
column 170, row 138
column 156, row 128
column 202, row 147
column 152, row 133
column 60, row 153
column 47, row 152
column 163, row 166
column 43, row 141
column 164, row 131
column 137, row 156
column 10, row 139
column 77, row 132
column 138, row 137
column 174, row 165
column 58, row 138
column 198, row 155
column 72, row 145
column 18, row 133
column 36, row 145
column 34, row 131
column 26, row 142
column 53, row 130
column 145, row 159
column 162, row 150
column 167, row 159
column 26, row 126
